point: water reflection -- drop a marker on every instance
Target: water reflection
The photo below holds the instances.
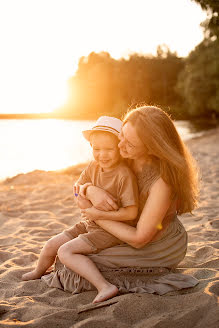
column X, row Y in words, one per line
column 202, row 125
column 27, row 145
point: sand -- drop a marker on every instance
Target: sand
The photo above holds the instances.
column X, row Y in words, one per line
column 38, row 205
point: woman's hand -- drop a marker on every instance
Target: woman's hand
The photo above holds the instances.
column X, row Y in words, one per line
column 90, row 214
column 101, row 199
column 83, row 202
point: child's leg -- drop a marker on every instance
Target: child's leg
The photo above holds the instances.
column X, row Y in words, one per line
column 70, row 254
column 47, row 256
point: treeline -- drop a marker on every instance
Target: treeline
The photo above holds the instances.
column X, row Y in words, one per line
column 198, row 82
column 185, row 87
column 103, row 85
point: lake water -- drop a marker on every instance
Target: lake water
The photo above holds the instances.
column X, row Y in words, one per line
column 26, row 145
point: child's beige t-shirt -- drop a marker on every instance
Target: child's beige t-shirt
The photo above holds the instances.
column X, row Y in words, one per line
column 120, row 182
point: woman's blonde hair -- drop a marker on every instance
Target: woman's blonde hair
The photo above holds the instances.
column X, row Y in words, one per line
column 162, row 141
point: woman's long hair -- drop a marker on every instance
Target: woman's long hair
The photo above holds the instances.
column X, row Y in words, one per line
column 162, row 141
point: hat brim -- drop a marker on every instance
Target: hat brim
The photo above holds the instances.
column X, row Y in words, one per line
column 87, row 133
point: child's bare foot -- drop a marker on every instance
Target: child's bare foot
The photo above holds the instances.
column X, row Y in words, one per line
column 31, row 275
column 106, row 293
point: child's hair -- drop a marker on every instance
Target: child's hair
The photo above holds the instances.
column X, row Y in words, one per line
column 162, row 141
column 104, row 133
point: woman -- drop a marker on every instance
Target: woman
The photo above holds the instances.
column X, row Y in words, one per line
column 167, row 181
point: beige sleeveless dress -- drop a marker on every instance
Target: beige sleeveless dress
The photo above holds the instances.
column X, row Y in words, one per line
column 149, row 269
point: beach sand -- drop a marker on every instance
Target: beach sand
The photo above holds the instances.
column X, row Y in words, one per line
column 38, row 205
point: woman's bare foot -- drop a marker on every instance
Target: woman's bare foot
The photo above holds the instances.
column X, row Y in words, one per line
column 31, row 275
column 106, row 293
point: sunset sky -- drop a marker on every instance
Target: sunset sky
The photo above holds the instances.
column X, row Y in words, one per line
column 42, row 40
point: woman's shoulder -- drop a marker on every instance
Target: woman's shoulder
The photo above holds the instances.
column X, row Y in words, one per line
column 160, row 185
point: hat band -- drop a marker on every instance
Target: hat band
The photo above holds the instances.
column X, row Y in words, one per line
column 100, row 127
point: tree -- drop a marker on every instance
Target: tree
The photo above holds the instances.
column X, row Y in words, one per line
column 198, row 83
column 103, row 85
column 211, row 25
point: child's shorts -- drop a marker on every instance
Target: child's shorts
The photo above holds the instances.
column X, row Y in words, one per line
column 93, row 235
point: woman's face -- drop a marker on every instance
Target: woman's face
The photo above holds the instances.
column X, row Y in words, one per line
column 130, row 144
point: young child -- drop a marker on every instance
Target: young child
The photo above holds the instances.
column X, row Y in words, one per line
column 108, row 172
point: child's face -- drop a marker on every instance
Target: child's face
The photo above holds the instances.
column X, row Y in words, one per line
column 105, row 149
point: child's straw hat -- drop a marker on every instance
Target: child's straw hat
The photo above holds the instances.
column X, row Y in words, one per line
column 105, row 123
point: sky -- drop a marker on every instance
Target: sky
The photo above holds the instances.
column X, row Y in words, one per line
column 42, row 40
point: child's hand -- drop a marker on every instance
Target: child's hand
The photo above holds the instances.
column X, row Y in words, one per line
column 91, row 214
column 76, row 189
column 83, row 189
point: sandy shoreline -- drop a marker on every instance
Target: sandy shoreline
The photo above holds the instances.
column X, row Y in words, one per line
column 38, row 205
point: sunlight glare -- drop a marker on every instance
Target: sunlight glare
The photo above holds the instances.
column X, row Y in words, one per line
column 42, row 41
column 42, row 144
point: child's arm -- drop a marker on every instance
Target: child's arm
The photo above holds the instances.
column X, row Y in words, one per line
column 80, row 187
column 123, row 214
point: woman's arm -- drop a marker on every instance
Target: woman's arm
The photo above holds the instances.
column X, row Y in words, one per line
column 83, row 202
column 101, row 199
column 123, row 214
column 156, row 206
column 98, row 197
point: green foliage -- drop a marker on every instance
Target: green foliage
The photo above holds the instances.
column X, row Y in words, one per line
column 211, row 25
column 103, row 85
column 198, row 83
